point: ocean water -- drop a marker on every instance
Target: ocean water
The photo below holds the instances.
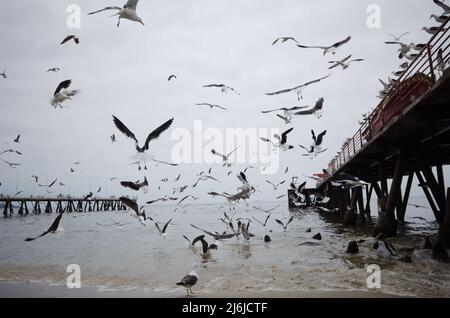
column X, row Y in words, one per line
column 130, row 256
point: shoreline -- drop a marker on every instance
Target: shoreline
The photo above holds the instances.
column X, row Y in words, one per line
column 41, row 290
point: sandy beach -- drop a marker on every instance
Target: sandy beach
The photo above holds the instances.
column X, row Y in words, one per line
column 36, row 290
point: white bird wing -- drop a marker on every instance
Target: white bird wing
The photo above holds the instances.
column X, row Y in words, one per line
column 231, row 152
column 131, row 4
column 105, row 9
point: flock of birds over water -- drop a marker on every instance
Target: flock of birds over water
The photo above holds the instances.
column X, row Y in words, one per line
column 236, row 227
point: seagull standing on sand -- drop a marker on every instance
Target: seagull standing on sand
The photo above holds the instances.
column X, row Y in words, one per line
column 62, row 93
column 142, row 156
column 128, row 12
column 327, row 49
column 189, row 280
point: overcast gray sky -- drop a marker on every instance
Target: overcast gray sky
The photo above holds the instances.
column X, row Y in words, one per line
column 123, row 71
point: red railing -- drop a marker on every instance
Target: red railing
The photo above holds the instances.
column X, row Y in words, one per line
column 418, row 77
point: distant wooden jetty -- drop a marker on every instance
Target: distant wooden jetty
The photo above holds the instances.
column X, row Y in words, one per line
column 24, row 206
column 407, row 135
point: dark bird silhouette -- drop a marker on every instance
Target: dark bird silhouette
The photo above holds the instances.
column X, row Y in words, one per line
column 71, row 37
column 52, row 228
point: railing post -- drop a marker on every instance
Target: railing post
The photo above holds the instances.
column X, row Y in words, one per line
column 430, row 60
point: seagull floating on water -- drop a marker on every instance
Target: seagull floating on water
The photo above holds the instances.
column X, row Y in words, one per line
column 128, row 12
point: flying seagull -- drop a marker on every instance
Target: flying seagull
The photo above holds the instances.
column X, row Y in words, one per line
column 128, row 12
column 113, row 138
column 163, row 231
column 162, row 199
column 17, row 140
column 52, row 228
column 141, row 155
column 440, row 19
column 398, row 38
column 189, row 280
column 211, row 106
column 204, row 178
column 433, row 30
column 316, row 110
column 11, row 164
column 282, row 140
column 216, row 235
column 282, row 224
column 4, row 74
column 298, row 89
column 327, row 49
column 70, row 37
column 275, row 186
column 49, row 185
column 266, row 211
column 287, row 111
column 344, row 63
column 171, row 77
column 53, row 69
column 224, row 88
column 444, row 7
column 134, row 206
column 284, row 39
column 11, row 150
column 265, row 221
column 226, row 157
column 62, row 93
column 136, row 186
column 318, row 140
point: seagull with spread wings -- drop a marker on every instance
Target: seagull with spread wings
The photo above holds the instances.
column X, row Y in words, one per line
column 140, row 213
column 224, row 88
column 162, row 231
column 211, row 106
column 344, row 63
column 444, row 7
column 226, row 157
column 4, row 74
column 128, row 12
column 70, row 37
column 284, row 39
column 318, row 140
column 327, row 49
column 62, row 93
column 142, row 155
column 52, row 229
column 287, row 111
column 171, row 77
column 275, row 186
column 282, row 144
column 298, row 89
column 204, row 178
column 398, row 38
column 317, row 110
column 136, row 186
column 284, row 225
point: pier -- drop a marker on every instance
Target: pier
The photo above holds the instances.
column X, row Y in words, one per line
column 407, row 135
column 25, row 206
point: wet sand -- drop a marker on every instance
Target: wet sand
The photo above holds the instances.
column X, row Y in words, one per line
column 38, row 290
